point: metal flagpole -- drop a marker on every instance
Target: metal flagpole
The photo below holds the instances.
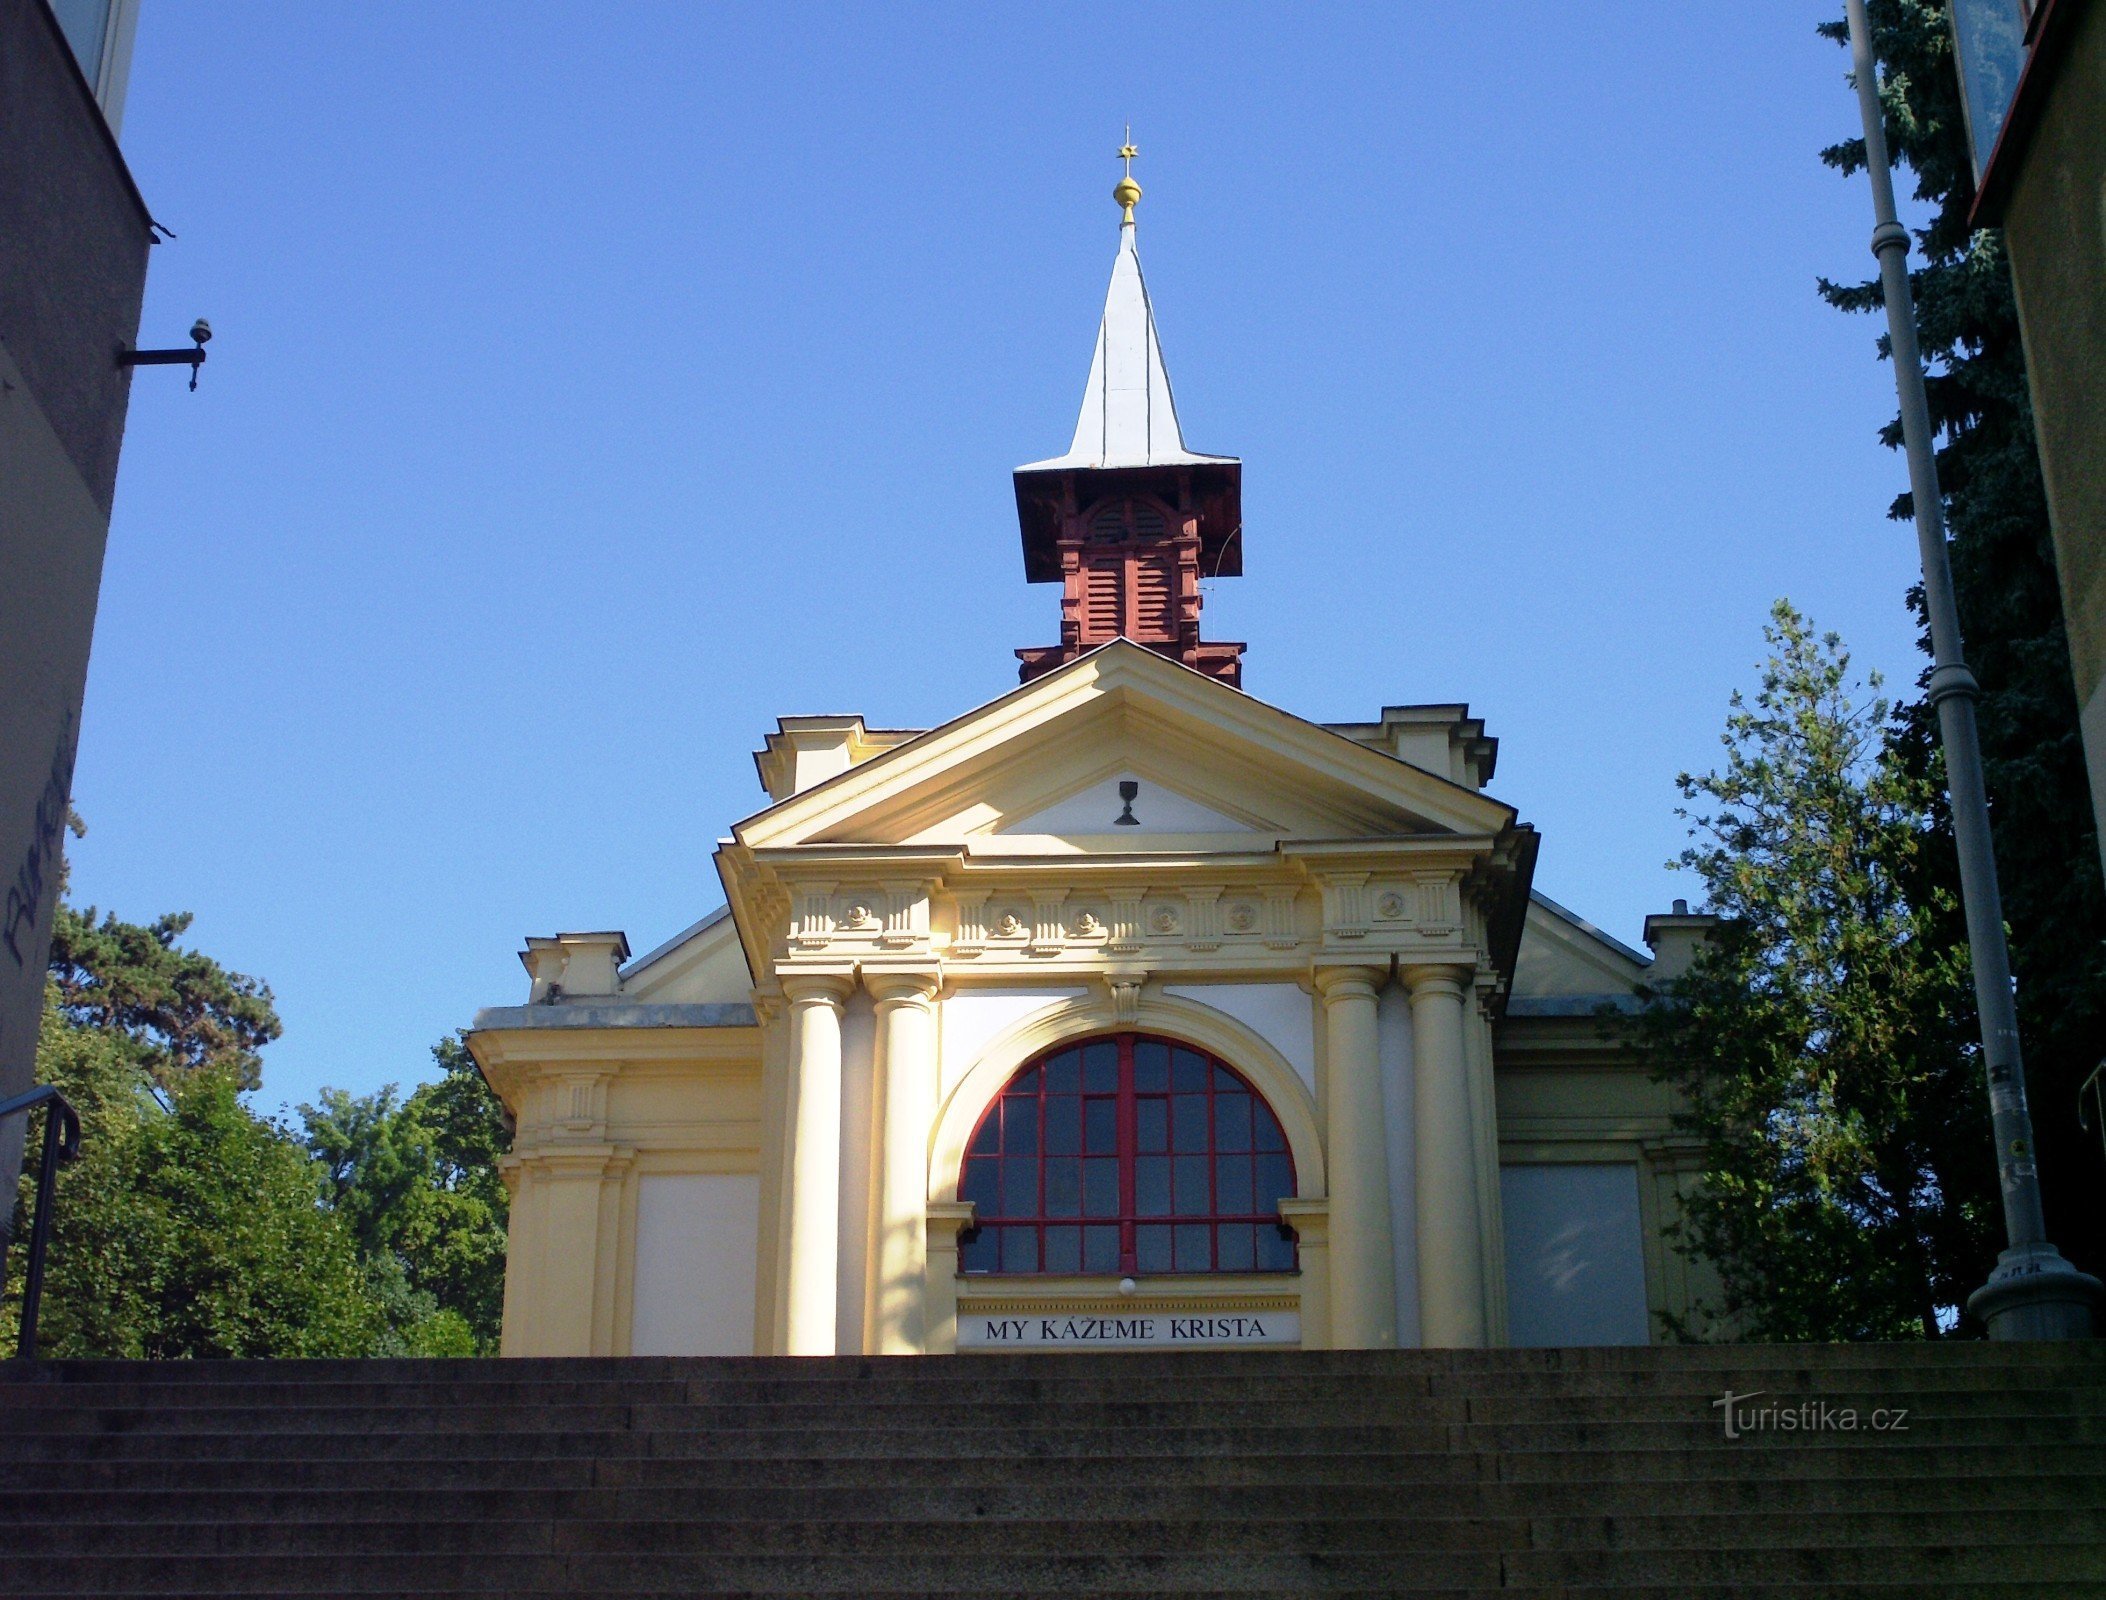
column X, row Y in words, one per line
column 2033, row 1293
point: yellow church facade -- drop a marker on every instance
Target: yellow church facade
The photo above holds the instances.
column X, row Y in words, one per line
column 1124, row 1011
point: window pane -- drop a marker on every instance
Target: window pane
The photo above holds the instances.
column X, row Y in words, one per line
column 1192, row 1197
column 1100, row 1188
column 1019, row 1188
column 1052, row 1152
column 1151, row 1248
column 1019, row 1249
column 1100, row 1249
column 1064, row 1073
column 1151, row 1125
column 1269, row 1135
column 1063, row 1249
column 981, row 1185
column 1063, row 1125
column 1151, row 1186
column 1194, row 1247
column 1274, row 1253
column 1188, row 1124
column 1063, row 1187
column 1151, row 1066
column 1019, row 1126
column 1188, row 1072
column 1273, row 1183
column 1100, row 1068
column 1101, row 1127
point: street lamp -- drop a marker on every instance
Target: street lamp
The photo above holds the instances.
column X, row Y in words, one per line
column 2033, row 1293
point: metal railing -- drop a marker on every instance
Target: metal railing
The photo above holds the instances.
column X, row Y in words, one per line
column 2091, row 1101
column 61, row 1144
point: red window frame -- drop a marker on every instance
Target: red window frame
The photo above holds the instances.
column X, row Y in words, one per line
column 1189, row 1104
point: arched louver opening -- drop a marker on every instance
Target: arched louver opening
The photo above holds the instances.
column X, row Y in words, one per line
column 1122, row 521
column 1128, row 1154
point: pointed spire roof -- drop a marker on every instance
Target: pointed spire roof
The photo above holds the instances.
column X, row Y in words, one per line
column 1128, row 417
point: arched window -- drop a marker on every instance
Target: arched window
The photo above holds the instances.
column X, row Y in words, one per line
column 1127, row 1154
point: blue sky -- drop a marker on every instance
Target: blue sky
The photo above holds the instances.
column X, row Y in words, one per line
column 595, row 384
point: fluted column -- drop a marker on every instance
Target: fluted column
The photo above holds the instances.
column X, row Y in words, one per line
column 906, row 1063
column 1451, row 1258
column 1363, row 1269
column 813, row 1192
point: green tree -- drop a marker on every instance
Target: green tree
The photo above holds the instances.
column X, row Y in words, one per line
column 417, row 1182
column 2010, row 610
column 177, row 1010
column 1821, row 1039
column 189, row 1226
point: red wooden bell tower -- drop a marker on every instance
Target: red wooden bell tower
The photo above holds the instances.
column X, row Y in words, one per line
column 1128, row 549
column 1129, row 521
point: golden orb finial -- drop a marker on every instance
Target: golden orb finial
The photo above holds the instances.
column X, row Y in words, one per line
column 1126, row 193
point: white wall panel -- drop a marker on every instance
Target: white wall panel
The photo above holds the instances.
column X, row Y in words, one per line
column 697, row 1237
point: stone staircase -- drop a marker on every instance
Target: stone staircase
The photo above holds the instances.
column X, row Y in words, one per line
column 1531, row 1472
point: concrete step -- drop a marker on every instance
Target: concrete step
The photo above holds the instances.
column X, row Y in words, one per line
column 883, row 1407
column 885, row 1411
column 1570, row 1474
column 1743, row 1572
column 1073, row 1378
column 1900, row 1534
column 935, row 1502
column 1707, row 1462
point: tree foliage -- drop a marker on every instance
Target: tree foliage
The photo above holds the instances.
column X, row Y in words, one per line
column 417, row 1183
column 2010, row 608
column 176, row 1010
column 188, row 1226
column 1821, row 1039
column 191, row 1226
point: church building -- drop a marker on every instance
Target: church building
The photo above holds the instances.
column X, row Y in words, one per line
column 1125, row 1010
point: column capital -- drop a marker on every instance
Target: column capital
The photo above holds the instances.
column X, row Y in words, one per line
column 1339, row 982
column 902, row 986
column 1309, row 1216
column 1438, row 977
column 946, row 1219
column 815, row 988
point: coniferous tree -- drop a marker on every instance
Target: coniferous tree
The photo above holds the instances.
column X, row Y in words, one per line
column 1820, row 1041
column 2004, row 576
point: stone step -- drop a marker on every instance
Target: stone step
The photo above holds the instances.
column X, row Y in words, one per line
column 1903, row 1589
column 1900, row 1533
column 1615, row 1497
column 996, row 1384
column 1046, row 1439
column 941, row 1571
column 1124, row 1366
column 886, row 1412
column 1707, row 1462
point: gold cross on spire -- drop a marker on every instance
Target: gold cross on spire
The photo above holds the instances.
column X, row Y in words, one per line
column 1127, row 192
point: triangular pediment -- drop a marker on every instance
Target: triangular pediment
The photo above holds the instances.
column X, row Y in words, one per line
column 1109, row 806
column 1039, row 770
column 1564, row 956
